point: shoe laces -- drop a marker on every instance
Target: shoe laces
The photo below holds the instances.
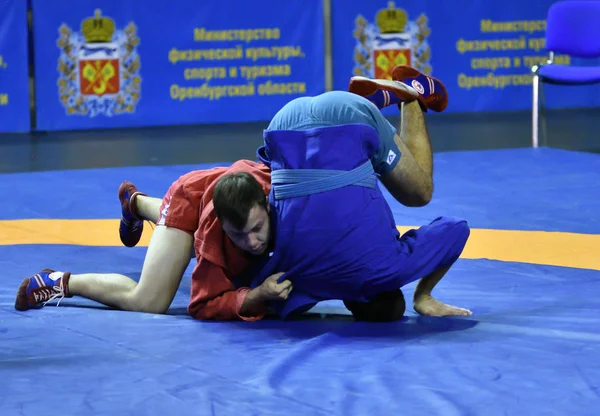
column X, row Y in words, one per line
column 51, row 292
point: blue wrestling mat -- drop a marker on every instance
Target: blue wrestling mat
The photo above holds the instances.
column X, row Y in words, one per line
column 531, row 347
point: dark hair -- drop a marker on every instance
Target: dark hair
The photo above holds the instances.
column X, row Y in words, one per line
column 235, row 195
column 384, row 307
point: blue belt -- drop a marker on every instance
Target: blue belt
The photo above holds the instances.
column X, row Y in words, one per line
column 293, row 183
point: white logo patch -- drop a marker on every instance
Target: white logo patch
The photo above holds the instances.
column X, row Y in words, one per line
column 391, row 157
column 418, row 86
column 55, row 276
column 164, row 212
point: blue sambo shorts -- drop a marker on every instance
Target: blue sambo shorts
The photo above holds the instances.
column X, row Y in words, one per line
column 338, row 108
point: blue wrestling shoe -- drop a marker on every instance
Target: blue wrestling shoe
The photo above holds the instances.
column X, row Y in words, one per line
column 432, row 93
column 382, row 92
column 130, row 226
column 42, row 288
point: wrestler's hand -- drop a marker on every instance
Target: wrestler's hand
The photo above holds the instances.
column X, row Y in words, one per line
column 271, row 289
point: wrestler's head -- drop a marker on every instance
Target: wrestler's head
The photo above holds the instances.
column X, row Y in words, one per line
column 243, row 209
column 384, row 307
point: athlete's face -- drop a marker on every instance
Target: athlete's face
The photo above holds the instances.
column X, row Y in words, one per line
column 254, row 237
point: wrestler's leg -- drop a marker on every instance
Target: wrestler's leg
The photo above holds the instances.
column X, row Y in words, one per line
column 147, row 207
column 142, row 208
column 413, row 133
column 390, row 306
column 166, row 260
column 425, row 304
column 428, row 253
column 136, row 207
column 410, row 182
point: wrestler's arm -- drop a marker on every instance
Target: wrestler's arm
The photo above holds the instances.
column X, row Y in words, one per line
column 270, row 289
column 414, row 171
column 214, row 296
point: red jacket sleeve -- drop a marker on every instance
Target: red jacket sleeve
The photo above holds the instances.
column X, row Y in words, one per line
column 213, row 295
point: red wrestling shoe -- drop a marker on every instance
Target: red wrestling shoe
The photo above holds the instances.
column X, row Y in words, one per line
column 131, row 226
column 382, row 92
column 432, row 93
column 41, row 288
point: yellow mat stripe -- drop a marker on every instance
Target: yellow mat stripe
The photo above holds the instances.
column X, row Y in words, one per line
column 537, row 247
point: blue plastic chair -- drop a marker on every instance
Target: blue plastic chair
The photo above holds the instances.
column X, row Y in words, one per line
column 572, row 28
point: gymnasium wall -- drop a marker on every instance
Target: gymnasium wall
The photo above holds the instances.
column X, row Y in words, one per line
column 100, row 64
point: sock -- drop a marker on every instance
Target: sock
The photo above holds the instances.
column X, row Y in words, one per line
column 383, row 98
column 133, row 205
column 65, row 276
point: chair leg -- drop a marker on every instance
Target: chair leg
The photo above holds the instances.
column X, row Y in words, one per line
column 534, row 111
column 542, row 116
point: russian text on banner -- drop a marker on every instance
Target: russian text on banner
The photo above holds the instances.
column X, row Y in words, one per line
column 157, row 62
column 483, row 51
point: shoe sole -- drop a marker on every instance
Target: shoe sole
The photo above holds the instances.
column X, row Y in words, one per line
column 21, row 302
column 367, row 86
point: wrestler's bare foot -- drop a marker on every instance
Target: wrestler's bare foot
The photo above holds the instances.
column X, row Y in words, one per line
column 429, row 306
